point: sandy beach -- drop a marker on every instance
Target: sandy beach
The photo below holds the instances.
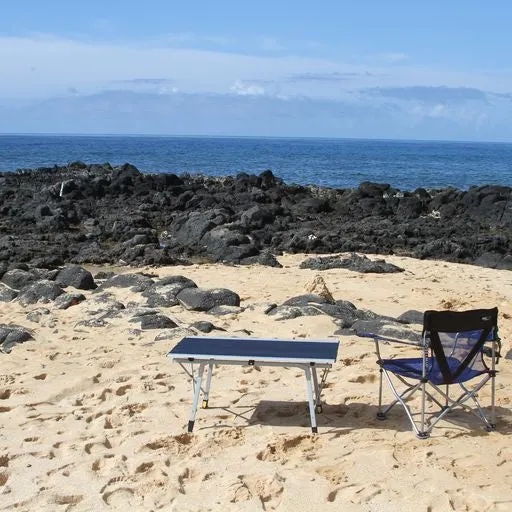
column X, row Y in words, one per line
column 94, row 418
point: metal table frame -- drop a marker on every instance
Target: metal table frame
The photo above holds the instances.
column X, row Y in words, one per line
column 314, row 387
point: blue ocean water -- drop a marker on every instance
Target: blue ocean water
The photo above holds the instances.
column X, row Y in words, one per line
column 338, row 163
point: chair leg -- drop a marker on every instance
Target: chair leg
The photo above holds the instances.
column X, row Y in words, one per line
column 380, row 414
column 422, row 432
column 493, row 401
column 402, row 399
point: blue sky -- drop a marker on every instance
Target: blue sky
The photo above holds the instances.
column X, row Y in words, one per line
column 323, row 50
column 457, row 33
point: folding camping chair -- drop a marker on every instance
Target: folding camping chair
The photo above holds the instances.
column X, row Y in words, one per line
column 456, row 347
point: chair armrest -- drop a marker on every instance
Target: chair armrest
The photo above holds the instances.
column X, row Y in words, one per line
column 385, row 339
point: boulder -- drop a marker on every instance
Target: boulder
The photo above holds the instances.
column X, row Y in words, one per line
column 18, row 279
column 12, row 335
column 354, row 262
column 156, row 322
column 77, row 277
column 40, row 291
column 263, row 258
column 7, row 294
column 136, row 281
column 411, row 316
column 386, row 328
column 201, row 299
column 66, row 300
column 203, row 326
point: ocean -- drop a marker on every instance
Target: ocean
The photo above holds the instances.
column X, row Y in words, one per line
column 337, row 163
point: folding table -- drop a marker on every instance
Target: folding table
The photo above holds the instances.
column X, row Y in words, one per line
column 209, row 351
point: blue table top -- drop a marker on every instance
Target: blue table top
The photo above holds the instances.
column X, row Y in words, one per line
column 245, row 349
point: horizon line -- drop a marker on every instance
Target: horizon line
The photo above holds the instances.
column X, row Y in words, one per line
column 228, row 136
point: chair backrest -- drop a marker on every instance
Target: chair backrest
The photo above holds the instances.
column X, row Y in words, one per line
column 457, row 339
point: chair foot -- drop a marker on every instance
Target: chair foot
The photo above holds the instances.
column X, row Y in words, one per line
column 491, row 427
column 204, row 405
column 381, row 416
column 319, row 409
column 314, row 430
column 190, row 426
column 423, row 435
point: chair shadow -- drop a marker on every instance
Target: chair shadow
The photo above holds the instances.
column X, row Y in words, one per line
column 339, row 418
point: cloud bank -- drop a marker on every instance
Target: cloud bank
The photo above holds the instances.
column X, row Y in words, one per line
column 52, row 84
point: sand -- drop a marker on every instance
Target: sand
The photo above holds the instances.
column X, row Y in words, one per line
column 94, row 418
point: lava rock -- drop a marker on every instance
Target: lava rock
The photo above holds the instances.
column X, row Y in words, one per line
column 7, row 294
column 18, row 279
column 137, row 281
column 66, row 300
column 355, row 262
column 201, row 299
column 12, row 335
column 76, row 276
column 157, row 322
column 40, row 291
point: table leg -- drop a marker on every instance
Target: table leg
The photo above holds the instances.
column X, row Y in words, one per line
column 314, row 428
column 318, row 403
column 197, row 391
column 208, row 384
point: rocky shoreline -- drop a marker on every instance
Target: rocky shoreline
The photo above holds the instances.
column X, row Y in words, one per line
column 101, row 214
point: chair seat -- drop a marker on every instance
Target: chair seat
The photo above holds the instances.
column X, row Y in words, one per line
column 413, row 368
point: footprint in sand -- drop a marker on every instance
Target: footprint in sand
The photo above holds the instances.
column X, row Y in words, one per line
column 280, row 451
column 335, row 477
column 109, row 363
column 41, row 376
column 174, row 444
column 122, row 497
column 5, row 394
column 268, row 489
column 361, row 379
column 4, row 476
column 132, row 409
column 70, row 499
column 90, row 448
column 123, row 389
column 5, row 409
column 144, row 467
column 183, row 478
column 104, row 393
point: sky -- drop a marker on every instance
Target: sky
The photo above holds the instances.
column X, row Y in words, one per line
column 334, row 51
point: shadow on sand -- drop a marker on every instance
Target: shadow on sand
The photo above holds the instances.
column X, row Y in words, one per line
column 353, row 416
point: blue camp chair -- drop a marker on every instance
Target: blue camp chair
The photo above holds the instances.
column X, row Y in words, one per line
column 457, row 347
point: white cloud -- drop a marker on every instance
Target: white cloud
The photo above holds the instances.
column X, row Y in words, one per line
column 44, row 65
column 246, row 89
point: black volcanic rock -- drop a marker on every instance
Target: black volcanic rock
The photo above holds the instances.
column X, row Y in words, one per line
column 101, row 214
column 11, row 335
column 76, row 276
column 18, row 279
column 40, row 291
column 201, row 299
column 354, row 262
